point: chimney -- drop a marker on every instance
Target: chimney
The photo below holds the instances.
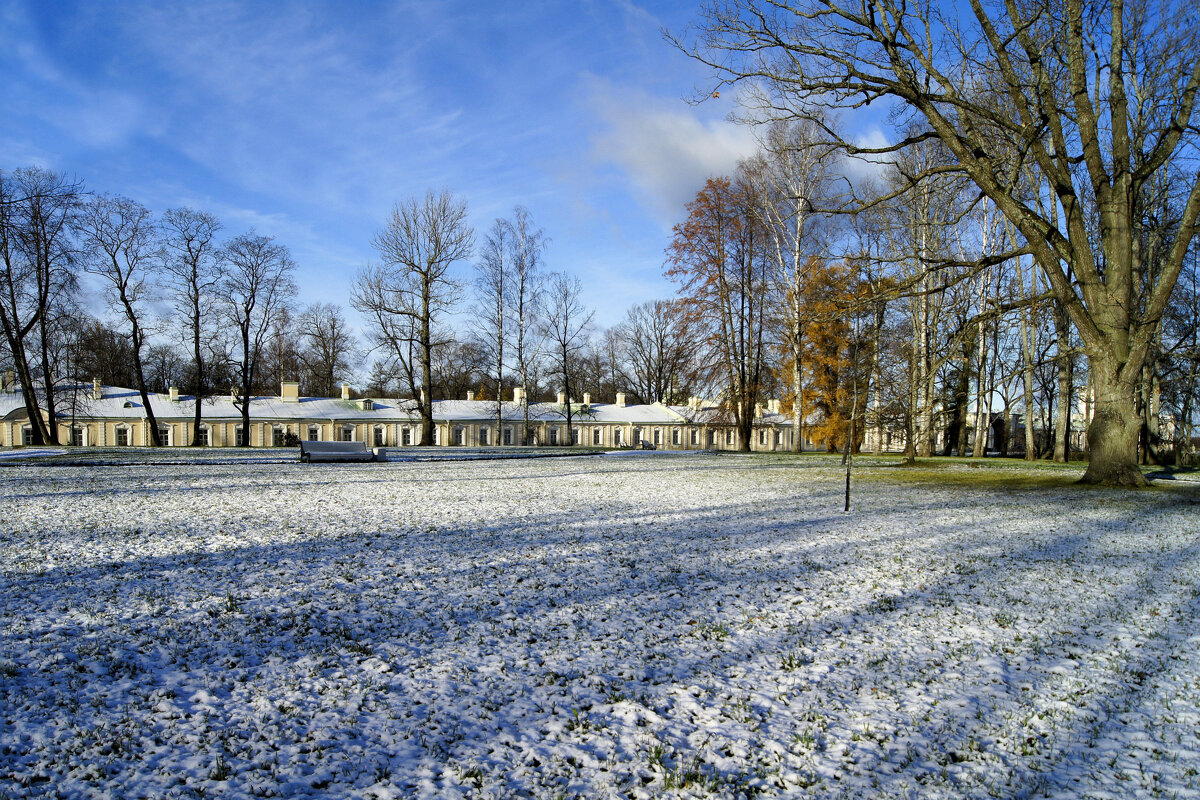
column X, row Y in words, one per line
column 97, row 392
column 289, row 391
column 518, row 394
column 620, row 399
column 345, row 391
column 9, row 382
column 587, row 398
column 174, row 392
column 562, row 398
column 470, row 395
column 758, row 409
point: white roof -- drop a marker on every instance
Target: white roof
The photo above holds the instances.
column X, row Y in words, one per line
column 119, row 403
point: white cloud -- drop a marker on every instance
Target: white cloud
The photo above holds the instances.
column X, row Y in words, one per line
column 665, row 148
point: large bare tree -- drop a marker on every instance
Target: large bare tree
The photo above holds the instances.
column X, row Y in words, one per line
column 121, row 243
column 1095, row 98
column 193, row 269
column 37, row 211
column 412, row 286
column 256, row 288
column 719, row 259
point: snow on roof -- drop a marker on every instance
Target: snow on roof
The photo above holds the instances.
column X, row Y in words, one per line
column 122, row 403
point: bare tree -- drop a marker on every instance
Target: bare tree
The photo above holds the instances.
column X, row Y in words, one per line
column 256, row 288
column 568, row 322
column 412, row 287
column 37, row 210
column 658, row 351
column 1095, row 98
column 190, row 260
column 121, row 243
column 492, row 278
column 525, row 305
column 718, row 257
column 327, row 347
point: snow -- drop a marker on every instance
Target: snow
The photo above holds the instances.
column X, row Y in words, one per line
column 710, row 626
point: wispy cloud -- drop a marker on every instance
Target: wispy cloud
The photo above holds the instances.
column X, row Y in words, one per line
column 665, row 148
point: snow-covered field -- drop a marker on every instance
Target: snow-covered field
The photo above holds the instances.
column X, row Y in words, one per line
column 589, row 627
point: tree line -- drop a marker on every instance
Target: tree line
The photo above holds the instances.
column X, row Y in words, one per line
column 1040, row 181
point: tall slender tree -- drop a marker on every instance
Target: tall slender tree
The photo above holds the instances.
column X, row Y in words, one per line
column 717, row 257
column 193, row 270
column 121, row 240
column 413, row 285
column 569, row 321
column 256, row 287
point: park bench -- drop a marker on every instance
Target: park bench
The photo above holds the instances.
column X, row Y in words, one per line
column 336, row 451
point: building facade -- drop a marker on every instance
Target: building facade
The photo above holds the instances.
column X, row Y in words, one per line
column 109, row 416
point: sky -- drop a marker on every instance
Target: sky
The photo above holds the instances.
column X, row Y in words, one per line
column 308, row 121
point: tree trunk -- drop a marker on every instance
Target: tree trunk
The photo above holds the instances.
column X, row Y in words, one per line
column 1066, row 377
column 1114, row 430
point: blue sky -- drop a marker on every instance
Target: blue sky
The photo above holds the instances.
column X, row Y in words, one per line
column 308, row 121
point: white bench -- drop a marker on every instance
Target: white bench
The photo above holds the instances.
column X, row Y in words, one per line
column 335, row 451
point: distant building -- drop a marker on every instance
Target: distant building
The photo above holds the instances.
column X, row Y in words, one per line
column 110, row 416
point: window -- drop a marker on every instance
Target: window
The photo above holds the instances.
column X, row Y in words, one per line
column 278, row 436
column 554, row 436
column 483, row 436
column 76, row 436
column 695, row 437
column 762, row 437
column 406, row 436
column 122, row 437
column 657, row 437
column 239, row 436
column 508, row 435
column 616, row 437
column 437, row 435
column 347, row 433
column 164, row 434
column 595, row 436
column 203, row 439
column 675, row 436
column 314, row 433
column 778, row 438
column 380, row 437
column 459, row 436
column 574, row 435
column 729, row 437
column 27, row 436
column 636, row 439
